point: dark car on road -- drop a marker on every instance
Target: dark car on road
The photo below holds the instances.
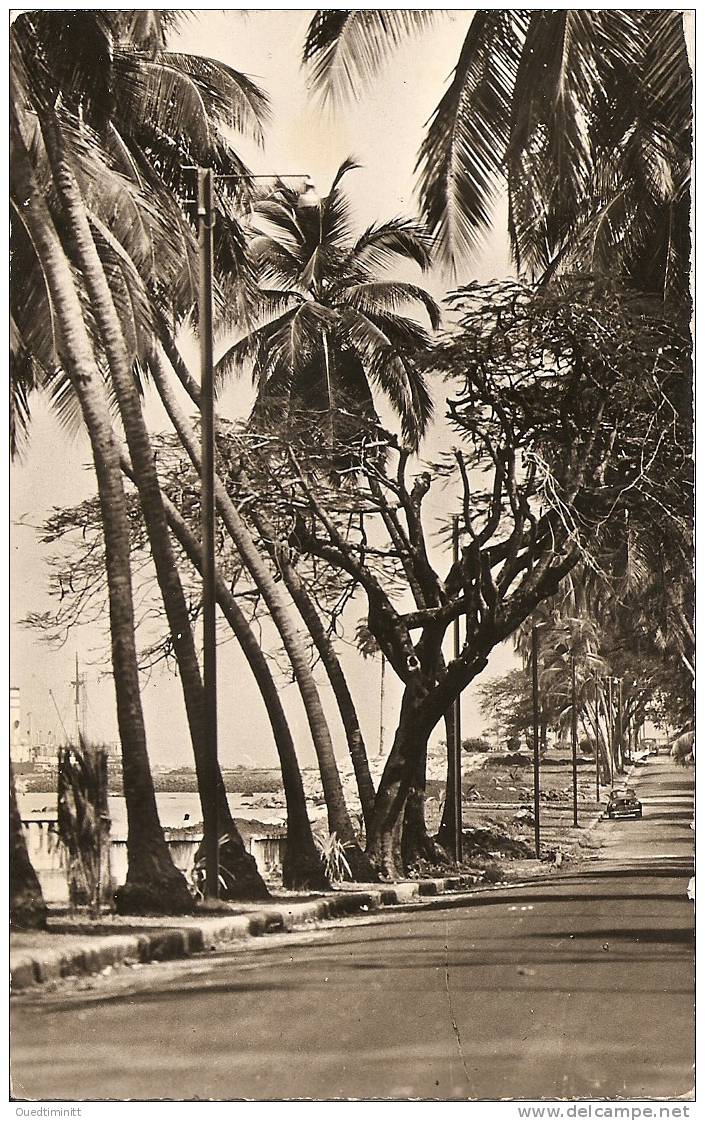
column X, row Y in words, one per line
column 623, row 802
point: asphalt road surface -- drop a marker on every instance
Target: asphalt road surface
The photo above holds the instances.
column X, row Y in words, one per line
column 580, row 987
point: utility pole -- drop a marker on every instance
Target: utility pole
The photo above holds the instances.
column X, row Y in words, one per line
column 77, row 683
column 620, row 727
column 210, row 705
column 597, row 741
column 574, row 737
column 457, row 775
column 206, row 223
column 535, row 688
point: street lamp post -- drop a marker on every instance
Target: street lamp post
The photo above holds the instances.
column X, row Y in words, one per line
column 620, row 726
column 210, row 714
column 610, row 726
column 206, row 223
column 457, row 776
column 574, row 737
column 597, row 738
column 535, row 691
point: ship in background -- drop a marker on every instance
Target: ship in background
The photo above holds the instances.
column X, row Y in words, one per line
column 34, row 751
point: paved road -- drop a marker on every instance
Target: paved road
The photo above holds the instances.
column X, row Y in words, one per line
column 579, row 987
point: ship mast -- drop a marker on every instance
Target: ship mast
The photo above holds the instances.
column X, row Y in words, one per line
column 79, row 685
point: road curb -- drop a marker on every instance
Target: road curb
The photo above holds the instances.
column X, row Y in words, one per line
column 171, row 943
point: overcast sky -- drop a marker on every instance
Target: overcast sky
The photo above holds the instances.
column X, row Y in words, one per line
column 383, row 131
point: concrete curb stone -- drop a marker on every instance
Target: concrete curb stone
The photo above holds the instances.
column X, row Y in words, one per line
column 180, row 942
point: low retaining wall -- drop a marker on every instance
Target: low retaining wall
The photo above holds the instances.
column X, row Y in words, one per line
column 45, row 853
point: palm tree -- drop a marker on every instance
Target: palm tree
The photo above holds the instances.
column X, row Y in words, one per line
column 244, row 879
column 302, row 865
column 153, row 883
column 86, row 230
column 280, row 554
column 583, row 116
column 332, row 325
column 270, row 589
column 27, row 907
column 335, row 331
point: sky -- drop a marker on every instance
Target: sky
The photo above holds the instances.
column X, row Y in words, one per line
column 383, row 131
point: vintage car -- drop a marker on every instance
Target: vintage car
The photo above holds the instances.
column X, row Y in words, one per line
column 623, row 802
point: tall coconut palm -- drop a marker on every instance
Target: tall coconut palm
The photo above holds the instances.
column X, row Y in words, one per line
column 334, row 325
column 582, row 116
column 333, row 329
column 244, row 879
column 27, row 907
column 292, row 639
column 153, row 883
column 302, row 865
column 153, row 81
column 280, row 553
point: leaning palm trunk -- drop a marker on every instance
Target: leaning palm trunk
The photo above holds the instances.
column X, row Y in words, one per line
column 338, row 817
column 27, row 907
column 243, row 879
column 302, row 864
column 346, row 706
column 153, row 883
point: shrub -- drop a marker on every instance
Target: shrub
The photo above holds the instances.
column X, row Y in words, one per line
column 476, row 743
column 332, row 852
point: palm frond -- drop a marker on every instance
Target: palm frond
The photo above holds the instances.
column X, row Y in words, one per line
column 396, row 376
column 274, row 262
column 132, row 299
column 233, row 98
column 387, row 243
column 555, row 86
column 460, row 163
column 252, row 348
column 345, row 49
column 667, row 75
column 169, row 99
column 348, row 164
column 405, row 335
column 67, row 55
column 23, row 383
column 34, row 337
column 335, row 218
column 387, row 295
column 295, row 343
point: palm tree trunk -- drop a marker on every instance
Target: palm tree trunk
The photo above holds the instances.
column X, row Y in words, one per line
column 346, row 706
column 302, row 864
column 153, row 883
column 243, row 880
column 27, row 907
column 338, row 817
column 605, row 746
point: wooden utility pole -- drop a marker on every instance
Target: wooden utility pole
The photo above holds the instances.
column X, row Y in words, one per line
column 597, row 741
column 535, row 690
column 210, row 713
column 574, row 737
column 457, row 771
column 620, row 726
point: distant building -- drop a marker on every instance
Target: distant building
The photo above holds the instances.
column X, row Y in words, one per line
column 20, row 747
column 15, row 715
